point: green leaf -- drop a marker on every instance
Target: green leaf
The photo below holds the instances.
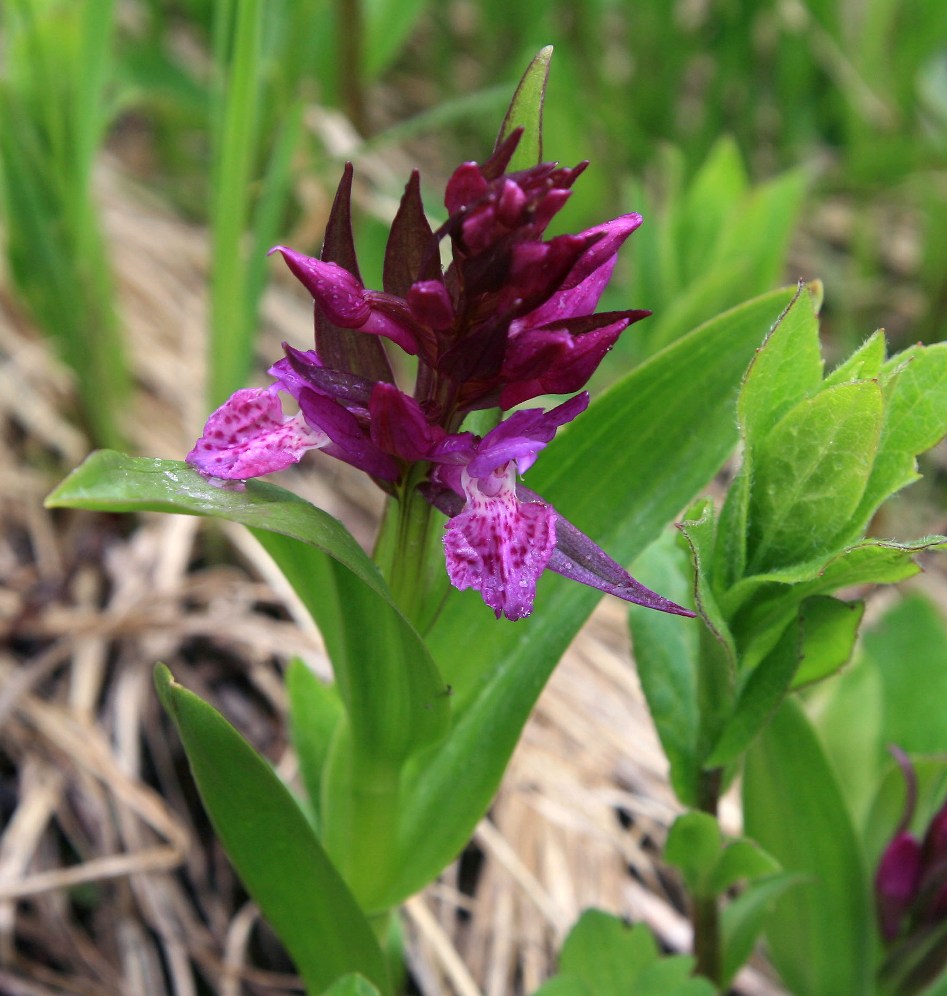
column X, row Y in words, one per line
column 817, row 643
column 742, row 919
column 740, row 860
column 395, row 699
column 864, row 364
column 666, row 658
column 830, row 628
column 767, row 603
column 908, row 647
column 915, row 420
column 603, row 956
column 699, row 530
column 526, row 112
column 314, row 713
column 809, row 474
column 794, row 808
column 786, row 369
column 606, row 953
column 693, row 845
column 273, row 848
column 351, row 985
column 855, row 749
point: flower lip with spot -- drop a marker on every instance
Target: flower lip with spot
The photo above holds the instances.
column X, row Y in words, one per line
column 501, row 537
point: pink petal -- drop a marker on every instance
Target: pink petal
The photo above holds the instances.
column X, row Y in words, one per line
column 249, row 436
column 500, row 545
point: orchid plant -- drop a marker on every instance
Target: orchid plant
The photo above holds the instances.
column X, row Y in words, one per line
column 401, row 755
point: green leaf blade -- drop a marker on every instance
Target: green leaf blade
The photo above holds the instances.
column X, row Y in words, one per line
column 793, row 807
column 526, row 112
column 272, row 846
column 395, row 698
column 810, row 472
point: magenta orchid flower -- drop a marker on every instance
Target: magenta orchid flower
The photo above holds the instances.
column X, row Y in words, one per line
column 911, row 878
column 511, row 318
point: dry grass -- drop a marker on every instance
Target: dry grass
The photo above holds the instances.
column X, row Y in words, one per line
column 110, row 880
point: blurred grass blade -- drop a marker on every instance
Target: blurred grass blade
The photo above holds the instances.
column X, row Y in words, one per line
column 234, row 131
column 273, row 848
column 53, row 113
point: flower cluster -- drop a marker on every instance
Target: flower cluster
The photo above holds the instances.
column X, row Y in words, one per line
column 511, row 318
column 911, row 879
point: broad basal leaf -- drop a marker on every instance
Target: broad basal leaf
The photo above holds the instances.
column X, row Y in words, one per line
column 273, row 848
column 385, row 675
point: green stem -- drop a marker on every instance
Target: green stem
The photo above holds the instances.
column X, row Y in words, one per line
column 402, row 546
column 705, row 910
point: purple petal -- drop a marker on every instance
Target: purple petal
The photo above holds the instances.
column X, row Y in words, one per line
column 500, row 546
column 345, row 301
column 340, row 294
column 249, row 436
column 608, row 238
column 431, row 305
column 578, row 558
column 554, row 362
column 398, row 425
column 297, row 371
column 522, row 436
column 897, row 882
column 348, row 441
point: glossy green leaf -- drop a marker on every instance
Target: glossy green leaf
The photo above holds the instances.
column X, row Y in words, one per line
column 314, row 714
column 620, row 473
column 394, row 698
column 272, row 846
column 526, row 112
column 809, row 474
column 793, row 807
column 743, row 918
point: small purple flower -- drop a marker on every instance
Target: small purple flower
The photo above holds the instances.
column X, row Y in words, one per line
column 911, row 879
column 498, row 543
column 511, row 318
